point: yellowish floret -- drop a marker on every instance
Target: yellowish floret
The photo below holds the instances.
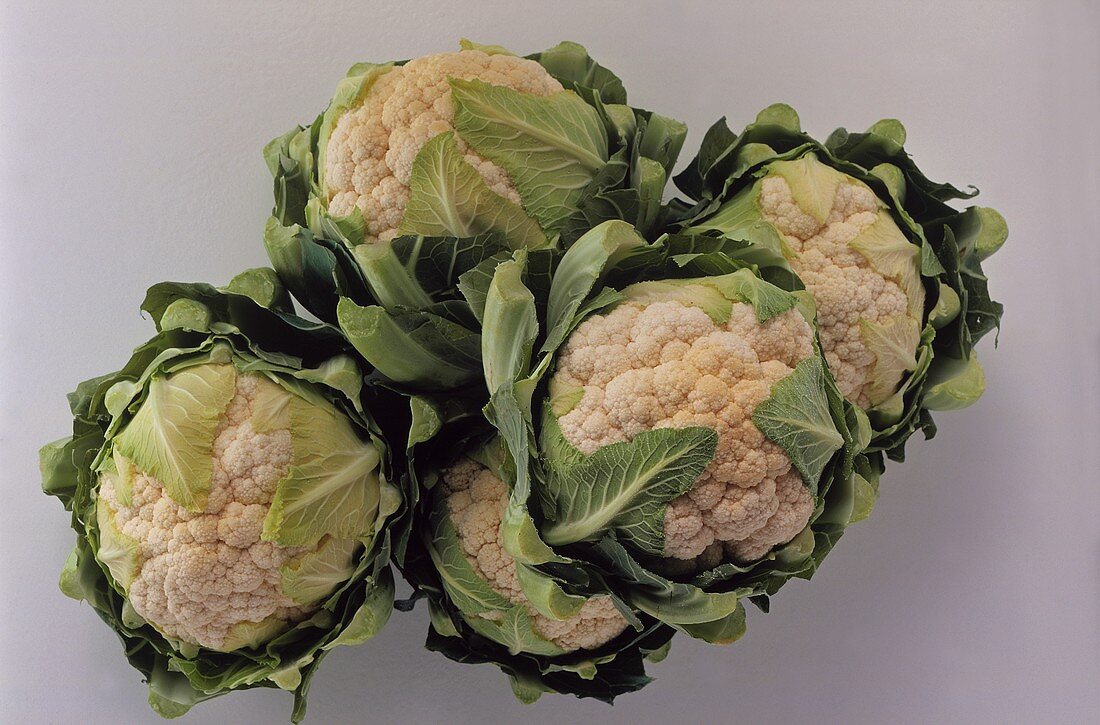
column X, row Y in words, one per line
column 670, row 365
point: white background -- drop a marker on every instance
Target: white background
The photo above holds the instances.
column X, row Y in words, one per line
column 130, row 154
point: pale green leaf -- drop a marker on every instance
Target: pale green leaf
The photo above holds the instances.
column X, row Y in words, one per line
column 448, row 197
column 118, row 552
column 551, row 146
column 171, row 437
column 311, row 576
column 270, row 406
column 959, row 390
column 249, row 635
column 625, row 486
column 813, row 184
column 893, row 256
column 332, row 487
column 894, row 345
column 372, row 614
column 797, row 418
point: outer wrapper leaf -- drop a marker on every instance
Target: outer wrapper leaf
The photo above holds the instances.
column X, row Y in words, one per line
column 249, row 323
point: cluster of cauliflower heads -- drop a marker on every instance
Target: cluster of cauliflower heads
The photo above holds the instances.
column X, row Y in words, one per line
column 578, row 418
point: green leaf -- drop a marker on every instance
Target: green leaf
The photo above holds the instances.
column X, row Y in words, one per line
column 262, row 286
column 56, row 467
column 571, row 65
column 466, row 589
column 740, row 219
column 894, row 344
column 332, row 487
column 171, row 695
column 415, row 348
column 813, row 184
column 69, row 581
column 372, row 614
column 312, row 576
column 797, row 418
column 726, row 630
column 391, row 282
column 948, row 306
column 340, row 373
column 516, row 631
column 581, row 267
column 982, row 230
column 289, row 677
column 171, row 437
column 551, row 146
column 625, row 486
column 185, row 314
column 509, row 327
column 546, row 595
column 671, row 602
column 448, row 197
column 779, row 114
column 958, row 390
column 766, row 299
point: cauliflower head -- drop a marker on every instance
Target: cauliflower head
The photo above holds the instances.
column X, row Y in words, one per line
column 368, row 160
column 202, row 562
column 862, row 271
column 654, row 362
column 476, row 499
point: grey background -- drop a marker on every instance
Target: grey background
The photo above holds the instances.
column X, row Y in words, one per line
column 131, row 153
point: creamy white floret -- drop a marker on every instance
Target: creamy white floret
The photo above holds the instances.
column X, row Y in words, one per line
column 370, row 153
column 203, row 576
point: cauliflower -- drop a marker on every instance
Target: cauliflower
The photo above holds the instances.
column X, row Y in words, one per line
column 856, row 294
column 208, row 577
column 667, row 364
column 369, row 157
column 476, row 499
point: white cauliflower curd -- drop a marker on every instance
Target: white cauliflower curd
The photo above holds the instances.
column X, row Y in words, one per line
column 368, row 160
column 476, row 499
column 668, row 364
column 198, row 567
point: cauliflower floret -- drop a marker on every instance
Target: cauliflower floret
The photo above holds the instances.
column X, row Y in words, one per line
column 845, row 287
column 202, row 573
column 669, row 365
column 476, row 499
column 371, row 150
